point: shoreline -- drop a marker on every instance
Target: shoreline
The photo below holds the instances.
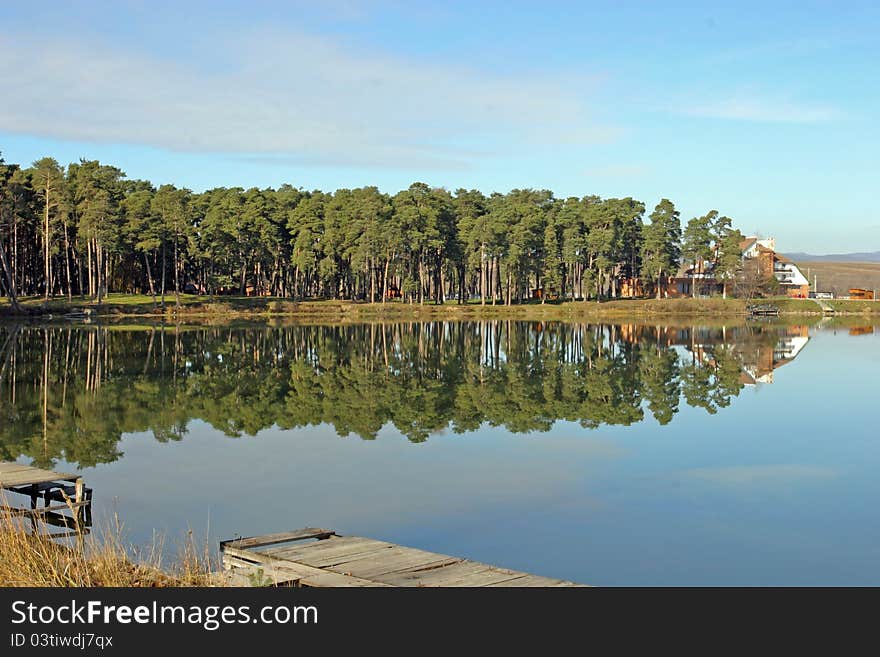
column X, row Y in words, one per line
column 236, row 308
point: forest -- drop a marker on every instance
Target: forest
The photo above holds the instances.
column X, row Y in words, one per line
column 72, row 392
column 86, row 230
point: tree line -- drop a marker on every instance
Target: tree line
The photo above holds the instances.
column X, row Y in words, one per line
column 71, row 393
column 86, row 229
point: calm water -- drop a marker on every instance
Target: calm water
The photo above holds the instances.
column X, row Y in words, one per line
column 607, row 454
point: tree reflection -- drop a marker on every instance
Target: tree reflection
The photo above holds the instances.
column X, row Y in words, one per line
column 71, row 392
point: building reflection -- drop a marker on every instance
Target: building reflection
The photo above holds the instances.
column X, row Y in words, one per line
column 760, row 351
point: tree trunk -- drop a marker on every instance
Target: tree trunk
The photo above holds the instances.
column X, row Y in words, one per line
column 10, row 280
column 14, row 270
column 79, row 277
column 163, row 275
column 67, row 261
column 482, row 274
column 273, row 291
column 99, row 262
column 46, row 237
column 89, row 267
column 150, row 279
column 176, row 275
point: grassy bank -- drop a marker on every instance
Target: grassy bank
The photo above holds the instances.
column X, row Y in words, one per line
column 100, row 559
column 192, row 306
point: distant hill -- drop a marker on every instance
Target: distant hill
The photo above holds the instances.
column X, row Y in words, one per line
column 873, row 256
column 838, row 277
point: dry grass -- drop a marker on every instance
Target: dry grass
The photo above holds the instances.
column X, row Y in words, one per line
column 99, row 559
column 839, row 277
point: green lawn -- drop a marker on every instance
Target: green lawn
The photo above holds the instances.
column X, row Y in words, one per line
column 839, row 305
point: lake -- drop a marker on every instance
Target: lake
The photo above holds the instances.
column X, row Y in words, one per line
column 738, row 454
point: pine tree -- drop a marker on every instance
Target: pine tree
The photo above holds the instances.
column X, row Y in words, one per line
column 661, row 247
column 552, row 270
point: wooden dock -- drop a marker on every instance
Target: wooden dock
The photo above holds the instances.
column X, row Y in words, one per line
column 763, row 310
column 322, row 558
column 67, row 502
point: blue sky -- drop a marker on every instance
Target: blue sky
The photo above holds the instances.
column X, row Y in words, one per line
column 764, row 111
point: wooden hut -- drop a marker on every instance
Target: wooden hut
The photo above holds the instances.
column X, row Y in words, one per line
column 861, row 294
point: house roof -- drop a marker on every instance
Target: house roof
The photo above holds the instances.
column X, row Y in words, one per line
column 747, row 243
column 683, row 270
column 687, row 270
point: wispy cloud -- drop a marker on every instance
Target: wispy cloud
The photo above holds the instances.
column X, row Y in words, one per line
column 283, row 94
column 749, row 107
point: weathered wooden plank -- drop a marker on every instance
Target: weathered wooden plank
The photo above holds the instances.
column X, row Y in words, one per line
column 306, row 574
column 437, row 576
column 283, row 537
column 357, row 561
column 39, row 472
column 22, row 470
column 8, row 480
column 418, row 575
column 369, row 559
column 316, row 577
column 388, row 561
column 363, row 566
column 402, row 564
column 291, row 570
column 491, row 575
column 10, row 467
column 334, row 544
column 329, row 578
column 331, row 558
column 232, row 561
column 251, row 576
column 532, row 580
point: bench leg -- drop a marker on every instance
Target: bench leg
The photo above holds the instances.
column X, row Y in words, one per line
column 78, row 498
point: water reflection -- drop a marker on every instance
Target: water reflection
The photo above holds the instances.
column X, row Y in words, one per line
column 71, row 392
